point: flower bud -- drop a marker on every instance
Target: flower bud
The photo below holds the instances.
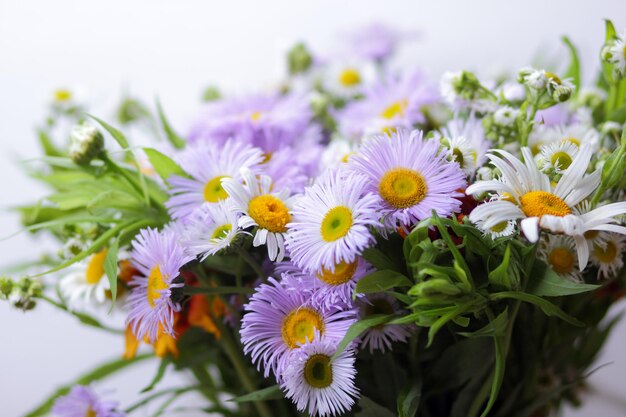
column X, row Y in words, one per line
column 299, row 59
column 6, row 287
column 562, row 93
column 505, row 116
column 435, row 287
column 211, row 93
column 86, row 144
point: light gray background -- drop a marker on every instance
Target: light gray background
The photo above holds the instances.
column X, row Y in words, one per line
column 173, row 49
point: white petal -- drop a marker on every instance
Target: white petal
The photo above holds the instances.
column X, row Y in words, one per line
column 530, row 227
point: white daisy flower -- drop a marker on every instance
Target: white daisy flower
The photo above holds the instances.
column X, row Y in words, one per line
column 505, row 116
column 608, row 254
column 211, row 229
column 559, row 253
column 466, row 142
column 267, row 210
column 526, row 194
column 557, row 156
column 207, row 164
column 86, row 282
column 616, row 53
column 347, row 78
column 337, row 153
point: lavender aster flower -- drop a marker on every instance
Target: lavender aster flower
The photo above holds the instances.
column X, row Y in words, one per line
column 410, row 177
column 159, row 257
column 207, row 164
column 382, row 336
column 266, row 121
column 331, row 221
column 317, row 382
column 376, row 41
column 82, row 401
column 388, row 104
column 279, row 320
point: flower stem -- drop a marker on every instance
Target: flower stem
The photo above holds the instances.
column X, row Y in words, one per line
column 252, row 262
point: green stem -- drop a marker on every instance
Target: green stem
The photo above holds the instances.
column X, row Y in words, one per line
column 530, row 120
column 252, row 262
column 234, row 354
column 84, row 318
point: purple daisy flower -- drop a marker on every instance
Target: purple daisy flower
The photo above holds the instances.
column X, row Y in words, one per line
column 382, row 336
column 319, row 383
column 267, row 121
column 330, row 223
column 159, row 257
column 207, row 164
column 388, row 104
column 410, row 177
column 279, row 320
column 376, row 41
column 82, row 401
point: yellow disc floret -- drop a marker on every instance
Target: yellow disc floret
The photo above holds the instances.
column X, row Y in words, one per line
column 397, row 108
column 540, row 203
column 336, row 223
column 402, row 187
column 300, row 325
column 342, row 274
column 90, row 412
column 213, row 190
column 95, row 268
column 607, row 254
column 562, row 260
column 349, row 77
column 269, row 213
column 561, row 160
column 222, row 231
column 156, row 283
column 318, row 371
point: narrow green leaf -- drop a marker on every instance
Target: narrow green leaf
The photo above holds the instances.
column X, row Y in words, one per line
column 498, row 375
column 163, row 165
column 269, row 393
column 378, row 259
column 573, row 71
column 101, row 372
column 47, row 145
column 172, row 136
column 544, row 282
column 409, row 399
column 499, row 277
column 370, row 408
column 110, row 268
column 165, row 362
column 546, row 306
column 381, row 281
column 494, row 327
column 115, row 133
column 610, row 32
column 359, row 327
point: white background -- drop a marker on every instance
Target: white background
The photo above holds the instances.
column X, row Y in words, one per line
column 174, row 49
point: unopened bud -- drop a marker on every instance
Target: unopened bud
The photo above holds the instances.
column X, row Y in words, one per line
column 562, row 93
column 435, row 287
column 6, row 287
column 299, row 59
column 211, row 93
column 86, row 143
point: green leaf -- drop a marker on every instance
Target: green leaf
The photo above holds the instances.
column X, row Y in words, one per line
column 378, row 259
column 115, row 133
column 47, row 145
column 370, row 408
column 381, row 280
column 163, row 165
column 500, row 277
column 610, row 33
column 498, row 373
column 546, row 306
column 171, row 135
column 269, row 393
column 165, row 362
column 409, row 399
column 573, row 71
column 494, row 327
column 359, row 327
column 101, row 372
column 544, row 282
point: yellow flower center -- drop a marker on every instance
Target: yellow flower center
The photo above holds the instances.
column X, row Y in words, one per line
column 536, row 148
column 95, row 268
column 500, row 227
column 222, row 231
column 269, row 213
column 540, row 203
column 561, row 160
column 318, row 371
column 256, row 116
column 397, row 108
column 342, row 274
column 299, row 326
column 571, row 140
column 62, row 95
column 90, row 412
column 349, row 77
column 336, row 223
column 213, row 190
column 553, row 77
column 562, row 260
column 156, row 283
column 402, row 187
column 345, row 158
column 606, row 255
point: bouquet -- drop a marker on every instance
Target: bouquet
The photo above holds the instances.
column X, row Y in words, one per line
column 355, row 241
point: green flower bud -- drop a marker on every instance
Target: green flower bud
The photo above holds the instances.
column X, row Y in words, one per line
column 131, row 110
column 86, row 144
column 435, row 287
column 562, row 93
column 299, row 59
column 6, row 287
column 211, row 93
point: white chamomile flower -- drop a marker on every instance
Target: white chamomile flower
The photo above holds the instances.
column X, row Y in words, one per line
column 86, row 282
column 608, row 254
column 505, row 116
column 616, row 54
column 212, row 228
column 347, row 78
column 557, row 156
column 526, row 194
column 559, row 252
column 269, row 211
column 466, row 142
column 337, row 152
column 576, row 134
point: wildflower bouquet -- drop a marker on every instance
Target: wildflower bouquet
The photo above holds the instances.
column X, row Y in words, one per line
column 353, row 242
